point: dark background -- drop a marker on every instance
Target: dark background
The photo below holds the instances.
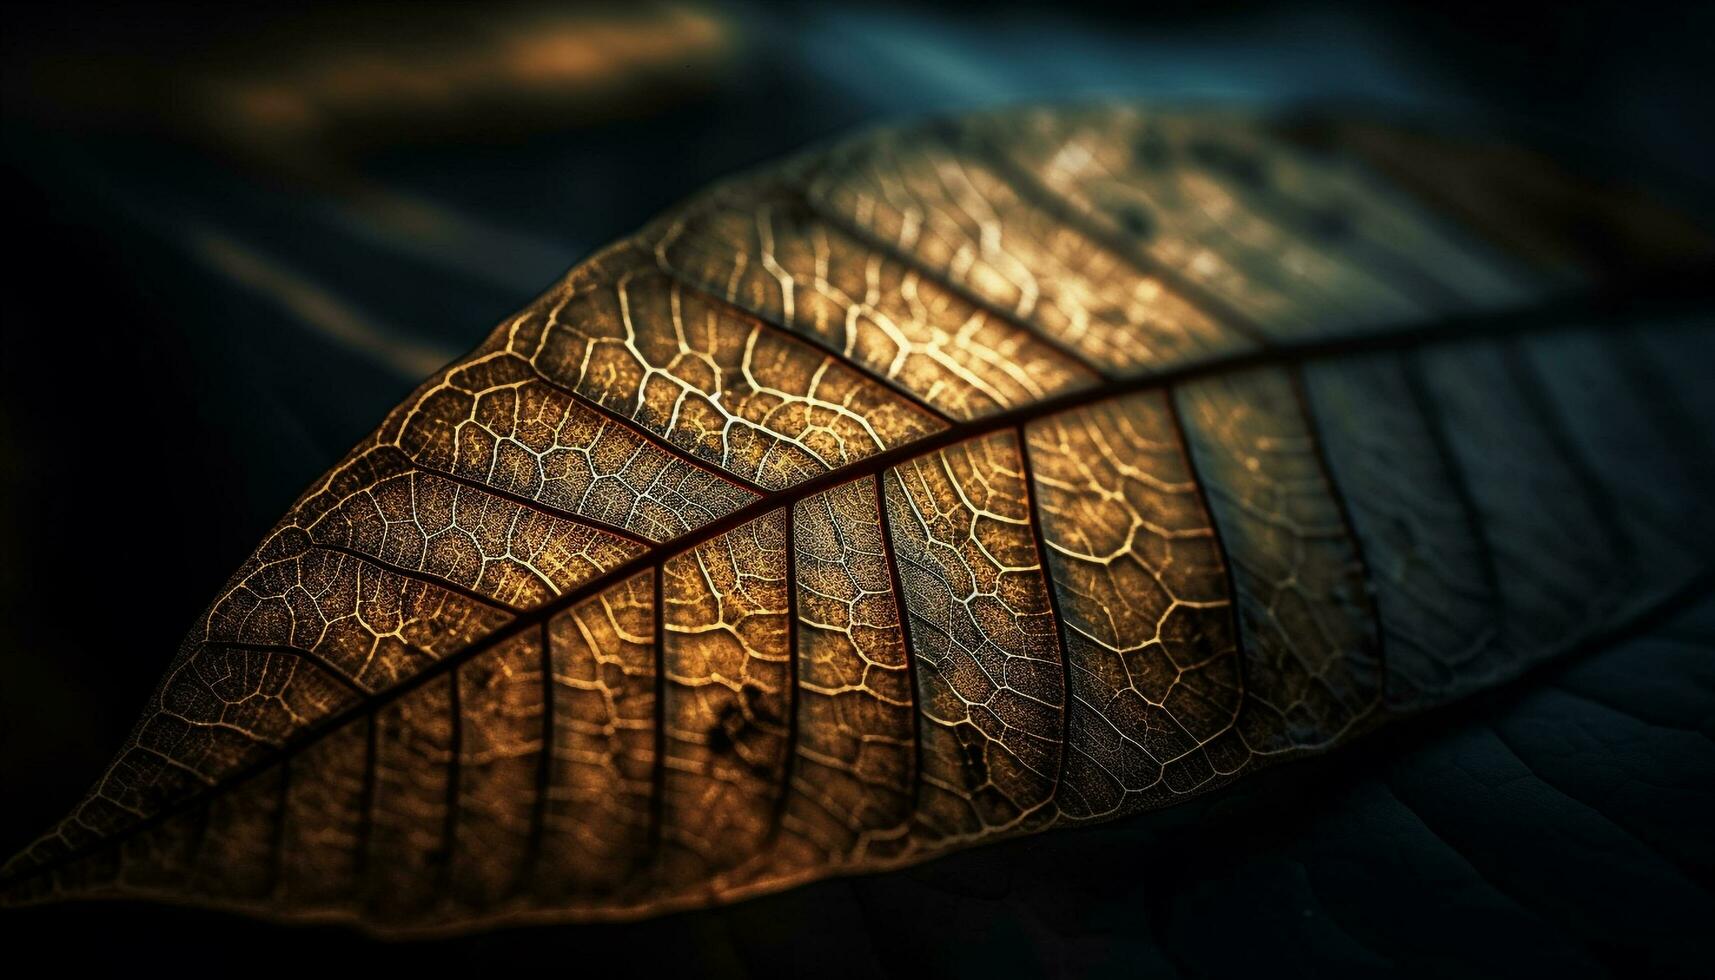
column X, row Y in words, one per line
column 204, row 310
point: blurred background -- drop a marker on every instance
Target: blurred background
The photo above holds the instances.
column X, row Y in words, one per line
column 238, row 234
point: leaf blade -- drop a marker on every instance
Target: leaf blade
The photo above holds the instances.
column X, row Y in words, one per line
column 737, row 394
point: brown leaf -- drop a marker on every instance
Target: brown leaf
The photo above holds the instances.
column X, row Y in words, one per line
column 946, row 484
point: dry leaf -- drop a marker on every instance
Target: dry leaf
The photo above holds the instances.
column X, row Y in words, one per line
column 950, row 483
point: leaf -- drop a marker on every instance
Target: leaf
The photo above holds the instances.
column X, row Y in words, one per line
column 948, row 484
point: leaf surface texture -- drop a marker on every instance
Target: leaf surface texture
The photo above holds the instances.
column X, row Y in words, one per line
column 946, row 484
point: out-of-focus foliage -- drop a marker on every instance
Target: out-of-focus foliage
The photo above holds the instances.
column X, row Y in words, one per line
column 308, row 92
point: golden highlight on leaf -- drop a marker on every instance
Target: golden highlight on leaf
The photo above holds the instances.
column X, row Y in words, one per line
column 946, row 484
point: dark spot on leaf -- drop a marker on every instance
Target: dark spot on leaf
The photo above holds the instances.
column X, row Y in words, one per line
column 727, row 729
column 764, row 706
